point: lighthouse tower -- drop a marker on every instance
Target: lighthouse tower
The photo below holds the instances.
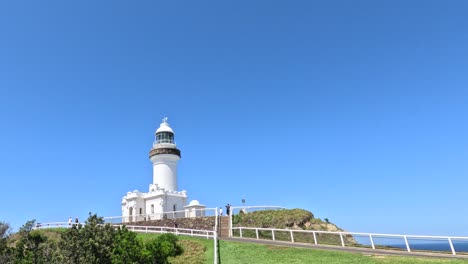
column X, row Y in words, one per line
column 164, row 155
column 163, row 199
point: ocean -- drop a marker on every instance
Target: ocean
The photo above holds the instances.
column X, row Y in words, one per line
column 417, row 244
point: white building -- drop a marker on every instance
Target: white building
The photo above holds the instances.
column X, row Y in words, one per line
column 163, row 199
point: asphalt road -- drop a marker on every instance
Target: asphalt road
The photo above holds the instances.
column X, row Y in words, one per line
column 364, row 251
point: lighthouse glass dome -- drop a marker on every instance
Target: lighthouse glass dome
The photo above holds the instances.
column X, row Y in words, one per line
column 164, row 137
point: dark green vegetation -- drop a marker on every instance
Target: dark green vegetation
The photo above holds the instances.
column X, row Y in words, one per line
column 93, row 243
column 294, row 219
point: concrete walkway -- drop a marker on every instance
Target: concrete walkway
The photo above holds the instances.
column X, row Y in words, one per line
column 364, row 251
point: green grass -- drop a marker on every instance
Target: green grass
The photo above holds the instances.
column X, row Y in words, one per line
column 200, row 250
column 234, row 252
column 240, row 253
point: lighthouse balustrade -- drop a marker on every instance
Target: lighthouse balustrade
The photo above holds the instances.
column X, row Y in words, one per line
column 357, row 239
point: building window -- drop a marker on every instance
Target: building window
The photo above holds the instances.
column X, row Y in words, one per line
column 174, row 207
column 152, row 208
column 165, row 137
column 141, row 211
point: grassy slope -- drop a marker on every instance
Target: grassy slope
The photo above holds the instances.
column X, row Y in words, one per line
column 296, row 219
column 239, row 253
column 200, row 250
column 233, row 253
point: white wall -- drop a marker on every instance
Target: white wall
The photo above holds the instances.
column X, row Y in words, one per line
column 165, row 171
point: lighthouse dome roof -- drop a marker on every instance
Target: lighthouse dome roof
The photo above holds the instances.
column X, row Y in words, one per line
column 194, row 202
column 164, row 127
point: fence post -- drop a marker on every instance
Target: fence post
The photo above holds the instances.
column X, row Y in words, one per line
column 256, row 232
column 342, row 239
column 146, row 229
column 191, row 232
column 215, row 238
column 371, row 241
column 451, row 246
column 273, row 234
column 407, row 244
column 230, row 222
column 292, row 236
column 217, row 227
column 240, row 232
column 315, row 238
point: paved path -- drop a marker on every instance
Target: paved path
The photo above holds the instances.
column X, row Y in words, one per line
column 365, row 251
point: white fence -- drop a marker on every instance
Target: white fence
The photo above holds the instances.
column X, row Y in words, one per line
column 177, row 231
column 55, row 225
column 141, row 229
column 450, row 244
column 192, row 213
column 344, row 235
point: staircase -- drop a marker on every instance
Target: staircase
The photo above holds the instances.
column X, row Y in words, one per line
column 223, row 229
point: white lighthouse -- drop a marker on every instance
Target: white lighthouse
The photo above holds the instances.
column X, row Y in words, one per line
column 163, row 199
column 165, row 157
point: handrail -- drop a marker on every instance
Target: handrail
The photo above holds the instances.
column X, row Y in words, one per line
column 177, row 231
column 351, row 233
column 344, row 233
column 258, row 206
column 136, row 228
column 55, row 225
column 160, row 215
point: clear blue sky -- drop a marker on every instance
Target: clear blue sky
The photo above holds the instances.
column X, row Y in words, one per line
column 354, row 110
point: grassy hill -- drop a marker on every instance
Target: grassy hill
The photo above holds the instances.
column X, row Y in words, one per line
column 296, row 219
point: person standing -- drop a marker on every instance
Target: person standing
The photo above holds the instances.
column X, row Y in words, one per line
column 69, row 221
column 220, row 211
column 228, row 209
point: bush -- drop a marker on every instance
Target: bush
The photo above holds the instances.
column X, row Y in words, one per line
column 92, row 243
column 158, row 250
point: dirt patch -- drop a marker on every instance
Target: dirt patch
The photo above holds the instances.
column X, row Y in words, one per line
column 276, row 247
column 194, row 253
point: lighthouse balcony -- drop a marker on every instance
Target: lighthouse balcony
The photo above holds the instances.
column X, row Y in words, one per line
column 157, row 151
column 163, row 145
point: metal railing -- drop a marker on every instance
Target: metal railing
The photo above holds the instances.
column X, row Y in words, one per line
column 345, row 235
column 177, row 231
column 55, row 225
column 140, row 229
column 193, row 213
